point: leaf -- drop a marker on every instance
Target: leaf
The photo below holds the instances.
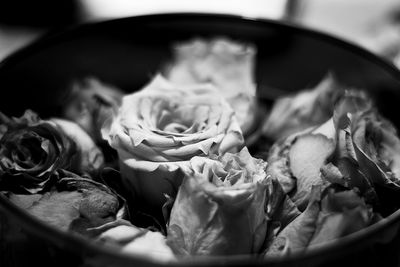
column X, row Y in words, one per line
column 77, row 204
column 23, row 201
column 58, row 209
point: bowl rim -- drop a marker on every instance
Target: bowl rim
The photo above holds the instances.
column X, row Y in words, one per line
column 88, row 248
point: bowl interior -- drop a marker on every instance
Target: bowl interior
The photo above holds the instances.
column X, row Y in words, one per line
column 129, row 52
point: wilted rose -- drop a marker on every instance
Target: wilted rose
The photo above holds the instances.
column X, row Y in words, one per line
column 329, row 215
column 90, row 102
column 377, row 148
column 310, row 157
column 31, row 150
column 160, row 128
column 368, row 150
column 307, row 108
column 369, row 158
column 220, row 208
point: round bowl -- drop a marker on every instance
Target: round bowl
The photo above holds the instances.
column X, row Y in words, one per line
column 127, row 53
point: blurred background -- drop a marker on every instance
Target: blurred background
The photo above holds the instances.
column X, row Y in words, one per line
column 372, row 24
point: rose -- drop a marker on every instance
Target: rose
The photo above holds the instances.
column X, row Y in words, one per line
column 307, row 108
column 31, row 150
column 330, row 215
column 377, row 148
column 369, row 156
column 227, row 64
column 89, row 102
column 160, row 128
column 367, row 152
column 220, row 208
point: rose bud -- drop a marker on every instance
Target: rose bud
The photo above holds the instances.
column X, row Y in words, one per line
column 225, row 63
column 160, row 128
column 220, row 208
column 31, row 151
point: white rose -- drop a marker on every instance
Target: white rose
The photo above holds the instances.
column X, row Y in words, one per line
column 160, row 128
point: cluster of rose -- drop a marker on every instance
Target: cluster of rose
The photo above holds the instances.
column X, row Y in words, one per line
column 183, row 167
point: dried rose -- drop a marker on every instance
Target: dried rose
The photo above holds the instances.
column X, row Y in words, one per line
column 377, row 149
column 31, row 150
column 304, row 159
column 327, row 218
column 227, row 64
column 160, row 128
column 367, row 152
column 220, row 208
column 89, row 103
column 300, row 111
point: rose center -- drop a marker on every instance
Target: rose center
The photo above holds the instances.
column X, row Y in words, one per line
column 29, row 152
column 175, row 120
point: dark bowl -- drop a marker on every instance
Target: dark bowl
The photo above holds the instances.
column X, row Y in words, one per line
column 128, row 52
